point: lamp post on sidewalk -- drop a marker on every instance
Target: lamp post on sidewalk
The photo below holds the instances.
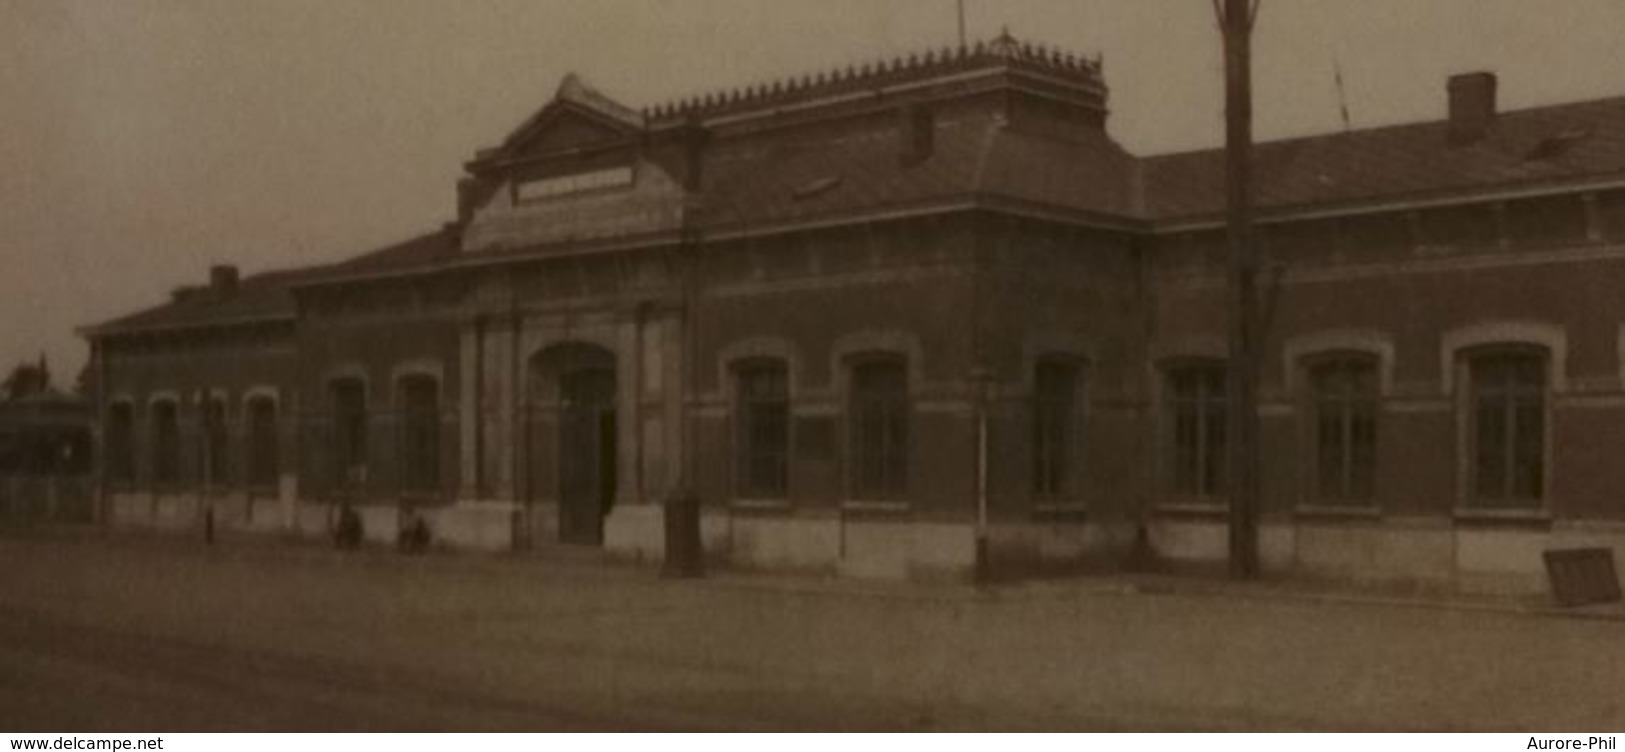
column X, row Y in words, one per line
column 983, row 380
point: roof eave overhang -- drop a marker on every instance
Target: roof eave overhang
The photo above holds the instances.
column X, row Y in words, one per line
column 1398, row 202
column 103, row 331
column 740, row 230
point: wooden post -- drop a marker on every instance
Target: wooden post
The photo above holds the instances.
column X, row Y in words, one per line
column 1236, row 19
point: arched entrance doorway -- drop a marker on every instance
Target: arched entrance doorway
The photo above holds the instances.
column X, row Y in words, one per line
column 573, row 419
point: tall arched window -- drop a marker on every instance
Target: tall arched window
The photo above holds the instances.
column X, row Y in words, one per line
column 1195, row 406
column 762, row 429
column 420, row 433
column 166, row 443
column 1508, row 433
column 120, row 467
column 1343, row 394
column 262, row 467
column 1055, row 384
column 214, row 454
column 878, row 428
column 347, row 400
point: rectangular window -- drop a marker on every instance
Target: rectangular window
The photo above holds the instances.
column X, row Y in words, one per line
column 166, row 444
column 581, row 182
column 121, row 443
column 1054, row 387
column 1197, row 406
column 349, row 432
column 1508, row 404
column 420, row 434
column 1344, row 394
column 879, row 430
column 763, row 430
column 262, row 443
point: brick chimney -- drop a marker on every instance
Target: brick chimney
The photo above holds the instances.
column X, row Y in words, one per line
column 1472, row 106
column 223, row 279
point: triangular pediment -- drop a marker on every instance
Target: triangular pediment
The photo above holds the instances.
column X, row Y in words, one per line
column 578, row 116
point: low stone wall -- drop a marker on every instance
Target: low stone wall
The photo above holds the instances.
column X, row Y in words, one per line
column 778, row 542
column 475, row 526
column 1430, row 553
column 1433, row 553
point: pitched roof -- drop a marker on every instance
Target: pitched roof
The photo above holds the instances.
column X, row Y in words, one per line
column 268, row 297
column 850, row 169
column 1562, row 142
column 861, row 170
column 573, row 90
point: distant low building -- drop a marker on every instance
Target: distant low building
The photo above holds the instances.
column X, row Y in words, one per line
column 46, row 433
column 800, row 300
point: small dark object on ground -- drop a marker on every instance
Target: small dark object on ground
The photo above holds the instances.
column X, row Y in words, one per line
column 347, row 534
column 414, row 536
column 1582, row 576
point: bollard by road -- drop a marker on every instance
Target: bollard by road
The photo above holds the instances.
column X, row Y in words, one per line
column 685, row 552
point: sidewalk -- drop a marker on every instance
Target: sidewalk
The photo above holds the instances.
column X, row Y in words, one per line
column 593, row 562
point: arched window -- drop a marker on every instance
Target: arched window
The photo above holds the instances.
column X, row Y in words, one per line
column 1196, row 410
column 1055, row 385
column 762, row 428
column 878, row 428
column 420, row 433
column 1507, row 426
column 120, row 466
column 262, row 442
column 214, row 452
column 1343, row 396
column 347, row 400
column 166, row 443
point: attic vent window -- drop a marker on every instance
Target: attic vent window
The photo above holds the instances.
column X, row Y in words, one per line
column 1552, row 147
column 542, row 189
column 817, row 187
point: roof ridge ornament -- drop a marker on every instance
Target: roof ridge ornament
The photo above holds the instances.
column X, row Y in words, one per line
column 1003, row 45
column 1004, row 48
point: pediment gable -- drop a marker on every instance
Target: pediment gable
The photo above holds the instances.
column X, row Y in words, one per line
column 564, row 127
column 578, row 116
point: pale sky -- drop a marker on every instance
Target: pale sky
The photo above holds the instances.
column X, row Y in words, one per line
column 143, row 140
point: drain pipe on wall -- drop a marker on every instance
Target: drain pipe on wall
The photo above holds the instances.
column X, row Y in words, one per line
column 983, row 382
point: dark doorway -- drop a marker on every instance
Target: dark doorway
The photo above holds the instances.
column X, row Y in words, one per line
column 587, row 445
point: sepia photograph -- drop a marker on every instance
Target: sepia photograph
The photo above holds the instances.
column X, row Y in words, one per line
column 1239, row 367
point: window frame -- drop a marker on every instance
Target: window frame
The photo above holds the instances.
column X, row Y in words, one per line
column 214, row 442
column 421, row 436
column 1055, row 470
column 1471, row 396
column 119, row 464
column 348, row 443
column 773, row 407
column 255, row 453
column 895, row 443
column 1209, row 485
column 164, row 456
column 1314, row 401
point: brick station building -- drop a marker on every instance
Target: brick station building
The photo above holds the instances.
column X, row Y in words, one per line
column 802, row 300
